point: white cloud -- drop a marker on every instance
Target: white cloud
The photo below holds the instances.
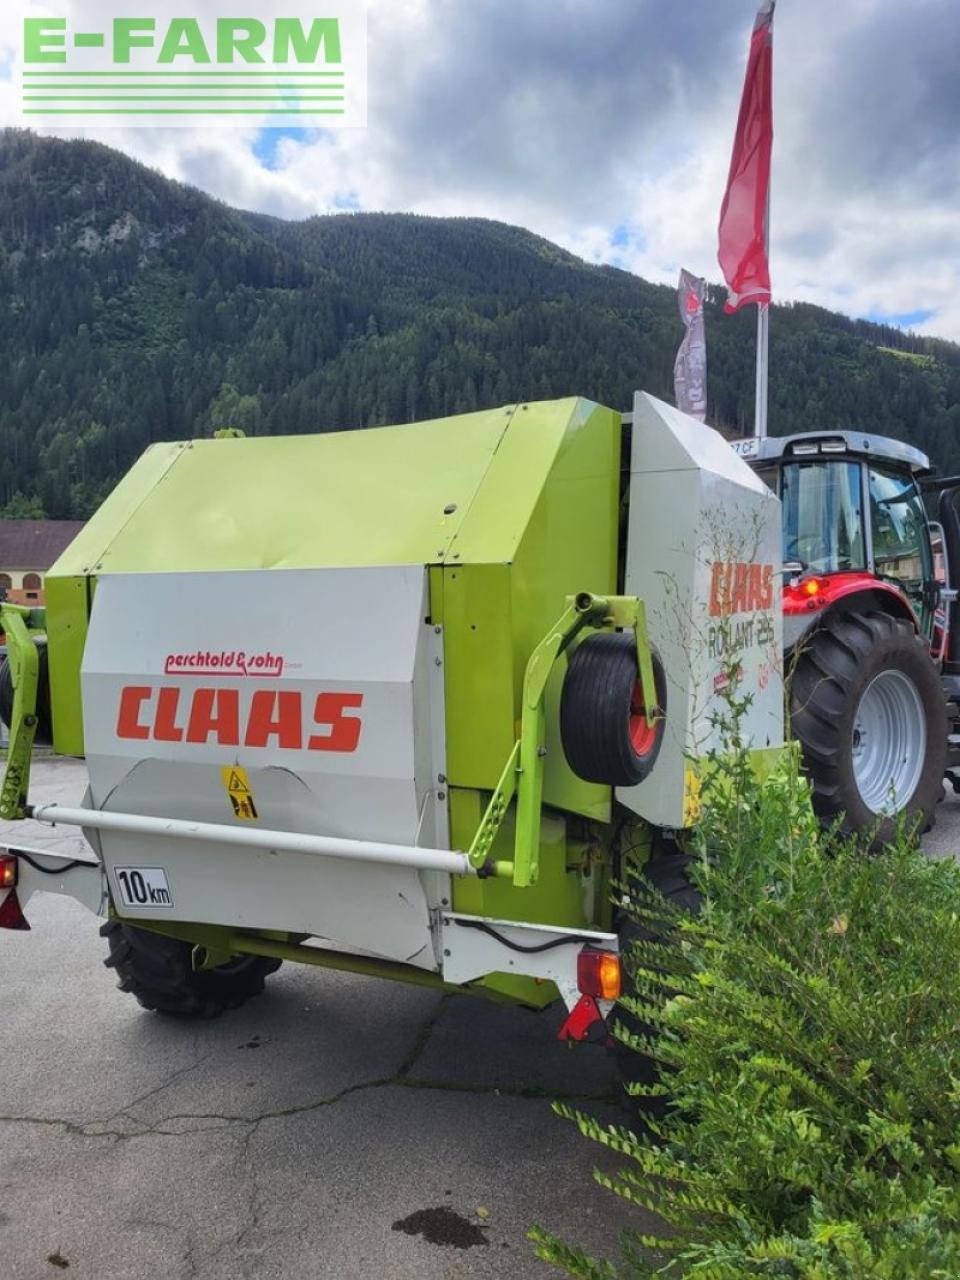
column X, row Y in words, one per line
column 576, row 119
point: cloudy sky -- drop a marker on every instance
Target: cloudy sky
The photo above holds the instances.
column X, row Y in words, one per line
column 606, row 126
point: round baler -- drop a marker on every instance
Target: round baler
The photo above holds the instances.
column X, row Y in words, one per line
column 395, row 700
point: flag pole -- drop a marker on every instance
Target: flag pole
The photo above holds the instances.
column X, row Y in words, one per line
column 763, row 344
column 763, row 356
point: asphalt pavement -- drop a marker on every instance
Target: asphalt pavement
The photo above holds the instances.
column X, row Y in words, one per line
column 335, row 1127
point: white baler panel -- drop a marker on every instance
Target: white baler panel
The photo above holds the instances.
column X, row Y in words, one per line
column 703, row 552
column 324, row 687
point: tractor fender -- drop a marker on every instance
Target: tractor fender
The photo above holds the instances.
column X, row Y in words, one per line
column 806, row 603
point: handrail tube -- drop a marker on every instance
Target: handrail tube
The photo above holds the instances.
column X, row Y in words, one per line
column 451, row 861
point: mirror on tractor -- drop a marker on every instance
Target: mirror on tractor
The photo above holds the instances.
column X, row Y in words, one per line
column 941, row 576
column 938, row 549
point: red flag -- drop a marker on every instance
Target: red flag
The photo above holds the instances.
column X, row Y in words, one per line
column 743, row 215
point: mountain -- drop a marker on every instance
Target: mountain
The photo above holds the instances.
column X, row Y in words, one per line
column 135, row 309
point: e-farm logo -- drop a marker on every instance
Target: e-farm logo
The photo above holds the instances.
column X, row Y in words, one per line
column 287, row 64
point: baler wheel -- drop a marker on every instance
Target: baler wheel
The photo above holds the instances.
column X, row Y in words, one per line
column 158, row 971
column 603, row 727
column 869, row 712
column 666, row 874
column 44, row 722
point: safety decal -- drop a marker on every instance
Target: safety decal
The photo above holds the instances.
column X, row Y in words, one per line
column 237, row 786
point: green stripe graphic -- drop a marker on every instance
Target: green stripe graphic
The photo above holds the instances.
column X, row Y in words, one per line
column 81, row 91
column 67, row 90
column 277, row 72
column 184, row 111
column 181, row 97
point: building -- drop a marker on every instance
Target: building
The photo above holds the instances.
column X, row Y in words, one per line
column 27, row 550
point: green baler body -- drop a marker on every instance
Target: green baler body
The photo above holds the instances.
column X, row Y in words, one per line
column 512, row 510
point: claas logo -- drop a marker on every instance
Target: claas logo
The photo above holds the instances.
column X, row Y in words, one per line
column 738, row 586
column 274, row 718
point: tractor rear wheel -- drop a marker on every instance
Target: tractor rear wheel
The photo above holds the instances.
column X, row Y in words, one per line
column 668, row 875
column 158, row 971
column 869, row 712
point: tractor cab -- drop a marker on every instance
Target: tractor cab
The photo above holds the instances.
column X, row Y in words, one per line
column 854, row 523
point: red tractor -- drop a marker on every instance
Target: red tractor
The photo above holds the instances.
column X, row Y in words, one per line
column 872, row 660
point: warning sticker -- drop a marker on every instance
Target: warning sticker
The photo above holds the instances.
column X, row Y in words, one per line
column 237, row 786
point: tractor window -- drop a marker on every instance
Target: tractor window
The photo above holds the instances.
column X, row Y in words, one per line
column 901, row 549
column 823, row 516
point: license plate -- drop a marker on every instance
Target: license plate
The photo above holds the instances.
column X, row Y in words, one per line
column 143, row 887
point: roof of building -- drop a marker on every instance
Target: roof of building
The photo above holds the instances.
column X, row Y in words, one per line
column 35, row 544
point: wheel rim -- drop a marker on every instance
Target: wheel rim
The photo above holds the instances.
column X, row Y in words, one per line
column 643, row 736
column 889, row 740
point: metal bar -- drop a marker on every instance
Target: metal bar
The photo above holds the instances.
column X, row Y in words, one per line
column 580, row 611
column 648, row 682
column 492, row 820
column 763, row 342
column 763, row 357
column 526, row 854
column 24, row 660
column 865, row 516
column 276, row 841
column 242, row 944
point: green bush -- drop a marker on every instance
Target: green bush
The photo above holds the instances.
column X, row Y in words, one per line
column 811, row 1029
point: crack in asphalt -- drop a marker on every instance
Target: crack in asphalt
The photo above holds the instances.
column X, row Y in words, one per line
column 220, row 1121
column 124, row 1111
column 224, row 1119
column 253, row 1199
column 179, row 1231
column 421, row 1038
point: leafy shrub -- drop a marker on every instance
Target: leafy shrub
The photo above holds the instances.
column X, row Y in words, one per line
column 809, row 1022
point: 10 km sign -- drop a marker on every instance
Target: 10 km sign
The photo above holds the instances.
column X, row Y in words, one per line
column 280, row 64
column 143, row 887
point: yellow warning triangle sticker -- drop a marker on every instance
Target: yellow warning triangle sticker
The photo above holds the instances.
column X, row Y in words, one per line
column 239, row 792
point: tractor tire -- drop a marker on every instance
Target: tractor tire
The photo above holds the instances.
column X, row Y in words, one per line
column 667, row 873
column 157, row 970
column 603, row 729
column 868, row 709
column 44, row 721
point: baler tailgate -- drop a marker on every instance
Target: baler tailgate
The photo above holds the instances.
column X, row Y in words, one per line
column 272, row 743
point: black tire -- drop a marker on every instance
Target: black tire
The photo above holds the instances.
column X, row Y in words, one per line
column 157, row 970
column 595, row 711
column 44, row 721
column 830, row 671
column 668, row 874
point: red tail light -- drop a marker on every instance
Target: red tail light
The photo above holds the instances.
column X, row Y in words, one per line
column 8, row 871
column 11, row 916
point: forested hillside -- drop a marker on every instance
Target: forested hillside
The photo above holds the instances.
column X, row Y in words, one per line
column 133, row 309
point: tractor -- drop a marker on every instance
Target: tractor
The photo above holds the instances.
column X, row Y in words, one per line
column 871, row 652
